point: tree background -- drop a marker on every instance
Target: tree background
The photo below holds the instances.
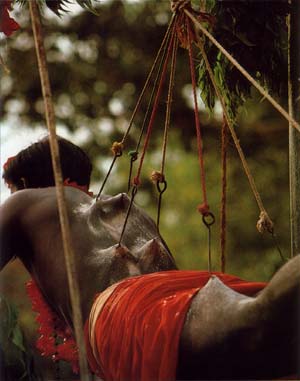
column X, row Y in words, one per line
column 97, row 66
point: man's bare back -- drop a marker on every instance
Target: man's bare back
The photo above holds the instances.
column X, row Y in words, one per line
column 30, row 229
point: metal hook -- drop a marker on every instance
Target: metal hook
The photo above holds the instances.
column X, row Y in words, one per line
column 208, row 220
column 161, row 191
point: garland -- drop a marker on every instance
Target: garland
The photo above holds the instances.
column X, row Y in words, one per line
column 55, row 337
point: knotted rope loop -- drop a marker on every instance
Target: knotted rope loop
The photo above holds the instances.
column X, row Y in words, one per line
column 133, row 155
column 265, row 224
column 178, row 5
column 117, row 148
column 136, row 181
column 208, row 219
column 203, row 208
column 157, row 176
column 161, row 186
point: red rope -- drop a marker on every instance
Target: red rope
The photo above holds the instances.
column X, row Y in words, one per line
column 136, row 180
column 204, row 207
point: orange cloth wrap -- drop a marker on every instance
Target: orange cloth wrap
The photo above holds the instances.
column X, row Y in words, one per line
column 138, row 330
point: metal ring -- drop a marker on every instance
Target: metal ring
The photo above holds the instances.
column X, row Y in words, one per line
column 164, row 183
column 206, row 217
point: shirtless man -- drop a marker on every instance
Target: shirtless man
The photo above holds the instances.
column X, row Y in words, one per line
column 224, row 334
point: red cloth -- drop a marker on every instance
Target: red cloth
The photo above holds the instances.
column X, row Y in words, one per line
column 7, row 24
column 139, row 327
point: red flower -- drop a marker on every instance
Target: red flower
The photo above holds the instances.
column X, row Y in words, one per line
column 55, row 337
column 7, row 24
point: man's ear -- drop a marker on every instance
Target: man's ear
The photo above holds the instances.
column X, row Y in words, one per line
column 23, row 181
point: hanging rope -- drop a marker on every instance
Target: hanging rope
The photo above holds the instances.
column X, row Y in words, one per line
column 166, row 37
column 243, row 71
column 169, row 104
column 264, row 223
column 63, row 216
column 224, row 142
column 136, row 179
column 158, row 177
column 134, row 154
column 204, row 207
column 133, row 194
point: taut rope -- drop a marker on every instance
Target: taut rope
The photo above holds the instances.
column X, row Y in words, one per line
column 265, row 94
column 63, row 216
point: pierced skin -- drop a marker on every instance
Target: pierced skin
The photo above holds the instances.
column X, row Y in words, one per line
column 226, row 335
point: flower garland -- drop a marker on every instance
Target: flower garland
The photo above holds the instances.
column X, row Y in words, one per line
column 7, row 24
column 56, row 339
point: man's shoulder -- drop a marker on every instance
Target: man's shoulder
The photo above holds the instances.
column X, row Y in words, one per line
column 25, row 196
column 38, row 201
column 35, row 195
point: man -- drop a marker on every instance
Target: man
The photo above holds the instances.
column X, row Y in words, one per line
column 161, row 326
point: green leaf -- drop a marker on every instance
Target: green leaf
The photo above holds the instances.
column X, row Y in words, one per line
column 17, row 338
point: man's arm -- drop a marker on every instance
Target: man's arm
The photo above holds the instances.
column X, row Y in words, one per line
column 10, row 229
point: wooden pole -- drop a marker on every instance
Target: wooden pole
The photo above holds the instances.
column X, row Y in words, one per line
column 63, row 216
column 294, row 135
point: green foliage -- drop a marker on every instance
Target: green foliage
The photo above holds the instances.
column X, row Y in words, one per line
column 254, row 32
column 60, row 6
column 16, row 360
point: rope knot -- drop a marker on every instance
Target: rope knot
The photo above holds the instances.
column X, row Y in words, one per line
column 178, row 5
column 136, row 181
column 203, row 208
column 157, row 176
column 264, row 224
column 133, row 155
column 117, row 148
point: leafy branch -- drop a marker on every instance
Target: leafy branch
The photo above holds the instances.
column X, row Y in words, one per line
column 60, row 6
column 254, row 32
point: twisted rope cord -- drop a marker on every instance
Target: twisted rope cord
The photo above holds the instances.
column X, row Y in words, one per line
column 264, row 222
column 166, row 36
column 134, row 154
column 159, row 177
column 136, row 180
column 62, row 210
column 179, row 5
column 204, row 208
column 169, row 103
column 265, row 94
column 122, row 143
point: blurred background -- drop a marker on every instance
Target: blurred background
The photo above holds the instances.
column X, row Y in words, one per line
column 97, row 66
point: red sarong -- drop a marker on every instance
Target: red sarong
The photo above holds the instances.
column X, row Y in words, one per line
column 138, row 330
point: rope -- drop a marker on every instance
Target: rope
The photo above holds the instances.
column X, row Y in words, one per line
column 148, row 79
column 204, row 207
column 136, row 180
column 169, row 103
column 134, row 154
column 265, row 94
column 136, row 107
column 133, row 194
column 224, row 141
column 179, row 5
column 264, row 222
column 63, row 216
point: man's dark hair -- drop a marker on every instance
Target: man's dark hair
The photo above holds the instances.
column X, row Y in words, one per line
column 32, row 167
